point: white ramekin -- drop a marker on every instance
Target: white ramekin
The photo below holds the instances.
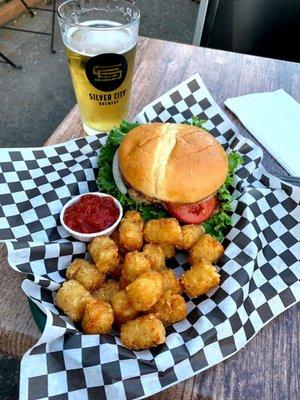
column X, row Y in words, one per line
column 88, row 237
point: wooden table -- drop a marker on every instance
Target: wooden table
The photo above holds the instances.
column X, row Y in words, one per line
column 268, row 367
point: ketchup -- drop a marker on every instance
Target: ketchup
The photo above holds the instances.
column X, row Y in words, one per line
column 91, row 214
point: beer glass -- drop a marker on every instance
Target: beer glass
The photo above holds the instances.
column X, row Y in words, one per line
column 100, row 41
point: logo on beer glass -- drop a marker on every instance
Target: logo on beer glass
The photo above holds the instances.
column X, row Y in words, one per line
column 112, row 73
column 106, row 72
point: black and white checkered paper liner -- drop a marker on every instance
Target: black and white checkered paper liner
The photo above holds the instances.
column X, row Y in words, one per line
column 259, row 270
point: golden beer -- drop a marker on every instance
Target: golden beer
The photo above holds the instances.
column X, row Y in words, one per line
column 101, row 55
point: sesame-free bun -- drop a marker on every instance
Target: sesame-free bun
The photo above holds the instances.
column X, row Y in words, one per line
column 174, row 163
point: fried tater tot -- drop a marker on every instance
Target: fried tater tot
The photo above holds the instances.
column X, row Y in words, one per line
column 116, row 273
column 98, row 317
column 154, row 253
column 104, row 252
column 190, row 235
column 168, row 249
column 115, row 236
column 170, row 282
column 123, row 310
column 143, row 333
column 123, row 282
column 207, row 248
column 85, row 273
column 200, row 278
column 131, row 231
column 74, row 267
column 170, row 308
column 163, row 230
column 135, row 264
column 72, row 298
column 144, row 292
column 107, row 291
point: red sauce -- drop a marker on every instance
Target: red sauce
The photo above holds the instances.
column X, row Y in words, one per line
column 91, row 214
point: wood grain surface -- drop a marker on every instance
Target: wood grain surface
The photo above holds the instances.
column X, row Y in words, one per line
column 268, row 367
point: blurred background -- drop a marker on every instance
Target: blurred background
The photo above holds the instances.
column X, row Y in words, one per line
column 35, row 99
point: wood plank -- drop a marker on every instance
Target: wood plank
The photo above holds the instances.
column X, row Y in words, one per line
column 14, row 9
column 18, row 331
column 267, row 367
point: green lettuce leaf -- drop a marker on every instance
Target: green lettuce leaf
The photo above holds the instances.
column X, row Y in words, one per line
column 216, row 225
column 197, row 122
column 219, row 222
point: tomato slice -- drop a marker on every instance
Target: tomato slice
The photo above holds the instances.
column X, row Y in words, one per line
column 193, row 213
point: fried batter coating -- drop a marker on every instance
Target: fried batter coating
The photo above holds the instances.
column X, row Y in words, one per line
column 115, row 236
column 104, row 252
column 72, row 298
column 123, row 310
column 200, row 278
column 123, row 282
column 144, row 292
column 170, row 308
column 85, row 273
column 131, row 231
column 143, row 333
column 98, row 317
column 135, row 263
column 163, row 230
column 206, row 247
column 154, row 253
column 74, row 267
column 107, row 291
column 116, row 273
column 190, row 235
column 170, row 282
column 168, row 249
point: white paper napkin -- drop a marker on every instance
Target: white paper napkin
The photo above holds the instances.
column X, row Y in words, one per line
column 273, row 118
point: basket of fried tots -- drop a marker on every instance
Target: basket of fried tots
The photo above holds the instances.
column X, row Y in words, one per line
column 128, row 284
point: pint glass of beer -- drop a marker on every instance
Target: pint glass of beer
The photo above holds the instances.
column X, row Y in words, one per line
column 100, row 40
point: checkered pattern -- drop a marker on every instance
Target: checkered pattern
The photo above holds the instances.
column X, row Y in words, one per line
column 259, row 269
column 34, row 186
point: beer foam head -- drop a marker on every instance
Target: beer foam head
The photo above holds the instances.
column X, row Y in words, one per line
column 92, row 42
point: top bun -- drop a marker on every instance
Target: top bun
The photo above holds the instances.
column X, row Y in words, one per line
column 175, row 163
